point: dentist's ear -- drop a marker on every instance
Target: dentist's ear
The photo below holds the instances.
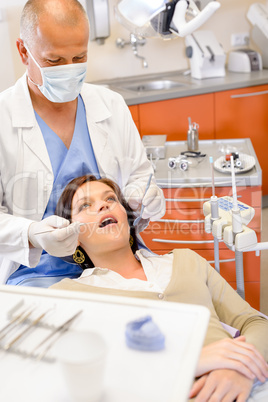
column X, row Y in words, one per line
column 22, row 51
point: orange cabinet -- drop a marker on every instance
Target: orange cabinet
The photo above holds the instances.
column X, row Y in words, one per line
column 239, row 113
column 243, row 113
column 170, row 117
column 134, row 110
column 183, row 227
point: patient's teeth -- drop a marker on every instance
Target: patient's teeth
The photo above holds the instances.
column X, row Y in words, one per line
column 107, row 221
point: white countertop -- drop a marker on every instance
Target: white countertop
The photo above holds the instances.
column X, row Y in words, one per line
column 190, row 87
column 200, row 174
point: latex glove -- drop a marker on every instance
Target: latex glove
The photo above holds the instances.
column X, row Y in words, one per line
column 154, row 203
column 153, row 200
column 60, row 242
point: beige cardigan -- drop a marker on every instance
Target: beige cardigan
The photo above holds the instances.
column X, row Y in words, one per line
column 194, row 281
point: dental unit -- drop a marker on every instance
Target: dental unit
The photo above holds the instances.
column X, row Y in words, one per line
column 227, row 220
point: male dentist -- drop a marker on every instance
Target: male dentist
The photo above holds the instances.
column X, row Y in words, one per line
column 55, row 127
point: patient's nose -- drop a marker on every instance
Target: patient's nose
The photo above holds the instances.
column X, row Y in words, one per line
column 102, row 206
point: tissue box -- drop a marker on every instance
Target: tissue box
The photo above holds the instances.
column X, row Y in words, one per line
column 155, row 145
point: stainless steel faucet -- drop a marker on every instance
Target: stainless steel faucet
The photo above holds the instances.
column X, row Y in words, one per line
column 134, row 41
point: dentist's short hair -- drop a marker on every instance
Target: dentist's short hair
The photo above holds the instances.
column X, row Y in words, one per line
column 68, row 12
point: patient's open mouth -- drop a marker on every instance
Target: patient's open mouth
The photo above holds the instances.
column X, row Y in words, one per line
column 107, row 221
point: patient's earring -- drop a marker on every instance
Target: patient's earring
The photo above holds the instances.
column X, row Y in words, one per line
column 131, row 240
column 79, row 256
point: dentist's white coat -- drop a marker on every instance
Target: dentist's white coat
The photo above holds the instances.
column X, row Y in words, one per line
column 26, row 173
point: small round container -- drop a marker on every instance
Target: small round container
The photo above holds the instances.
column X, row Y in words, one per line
column 192, row 139
column 82, row 357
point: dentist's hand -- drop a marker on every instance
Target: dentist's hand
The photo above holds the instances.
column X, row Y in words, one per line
column 60, row 242
column 153, row 201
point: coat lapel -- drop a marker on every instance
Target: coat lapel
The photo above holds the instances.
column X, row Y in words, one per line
column 23, row 118
column 98, row 135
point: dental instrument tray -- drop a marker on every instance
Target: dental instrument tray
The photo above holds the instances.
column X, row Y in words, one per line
column 184, row 327
column 242, row 163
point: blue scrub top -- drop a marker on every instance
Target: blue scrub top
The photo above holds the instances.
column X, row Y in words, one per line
column 67, row 164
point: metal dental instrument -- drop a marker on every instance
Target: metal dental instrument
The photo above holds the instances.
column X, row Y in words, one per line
column 52, row 230
column 18, row 319
column 136, row 221
column 59, row 331
column 32, row 324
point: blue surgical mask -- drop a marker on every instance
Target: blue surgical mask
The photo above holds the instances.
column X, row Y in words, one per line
column 61, row 83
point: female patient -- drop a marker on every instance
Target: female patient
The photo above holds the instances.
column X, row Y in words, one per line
column 112, row 264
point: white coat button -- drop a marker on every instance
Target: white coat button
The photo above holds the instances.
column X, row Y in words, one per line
column 160, row 296
column 45, row 189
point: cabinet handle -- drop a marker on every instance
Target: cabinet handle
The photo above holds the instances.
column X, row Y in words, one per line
column 228, row 260
column 190, row 185
column 183, row 241
column 249, row 94
column 192, row 199
column 187, row 199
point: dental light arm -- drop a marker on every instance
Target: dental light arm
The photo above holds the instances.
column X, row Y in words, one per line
column 166, row 17
column 180, row 26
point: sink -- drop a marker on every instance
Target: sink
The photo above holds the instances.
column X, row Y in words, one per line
column 151, row 85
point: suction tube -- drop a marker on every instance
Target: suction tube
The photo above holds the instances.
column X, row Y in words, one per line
column 214, row 216
column 240, row 287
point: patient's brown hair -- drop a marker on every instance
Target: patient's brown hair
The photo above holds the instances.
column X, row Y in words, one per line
column 64, row 207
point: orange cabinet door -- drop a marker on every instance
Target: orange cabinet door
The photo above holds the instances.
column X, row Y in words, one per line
column 243, row 113
column 134, row 110
column 171, row 117
column 182, row 226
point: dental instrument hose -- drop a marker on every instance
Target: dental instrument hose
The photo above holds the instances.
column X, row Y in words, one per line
column 214, row 216
column 237, row 228
column 239, row 273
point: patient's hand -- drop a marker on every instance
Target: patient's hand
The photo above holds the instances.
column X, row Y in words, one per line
column 222, row 385
column 233, row 354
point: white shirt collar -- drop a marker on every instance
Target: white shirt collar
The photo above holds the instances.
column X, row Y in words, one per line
column 140, row 255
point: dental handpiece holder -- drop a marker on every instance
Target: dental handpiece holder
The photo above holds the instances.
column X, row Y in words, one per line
column 231, row 227
column 224, row 228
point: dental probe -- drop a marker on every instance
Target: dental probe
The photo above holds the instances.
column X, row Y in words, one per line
column 214, row 216
column 57, row 331
column 25, row 330
column 52, row 230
